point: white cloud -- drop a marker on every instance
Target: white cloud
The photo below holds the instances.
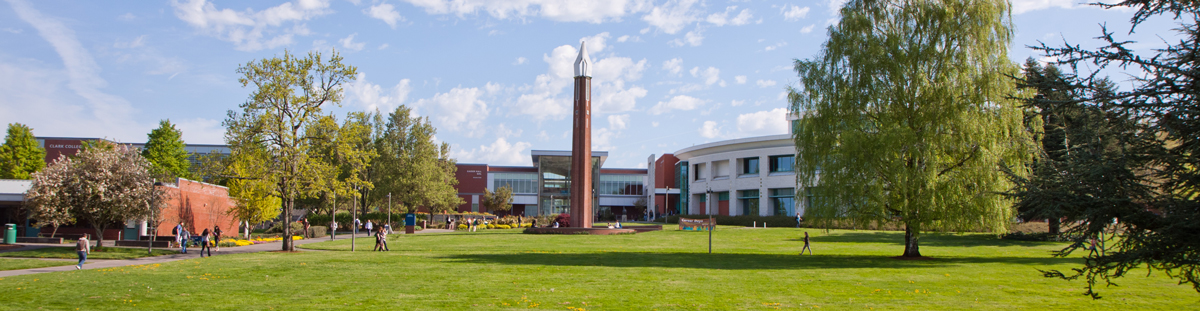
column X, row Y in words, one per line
column 722, row 19
column 710, row 130
column 372, row 97
column 1022, row 6
column 596, row 11
column 711, row 74
column 693, row 38
column 85, row 108
column 502, row 131
column 793, row 12
column 386, row 13
column 767, row 122
column 382, row 46
column 807, row 29
column 520, row 60
column 500, row 152
column 673, row 66
column 201, row 130
column 459, row 110
column 248, row 29
column 596, row 44
column 623, row 38
column 679, row 102
column 127, row 17
column 611, row 82
column 618, row 122
column 736, row 103
column 672, row 16
column 654, row 123
column 740, row 79
column 348, row 43
column 765, row 83
column 543, row 136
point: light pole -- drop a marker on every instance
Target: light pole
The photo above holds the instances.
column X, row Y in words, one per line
column 354, row 217
column 389, row 223
column 711, row 225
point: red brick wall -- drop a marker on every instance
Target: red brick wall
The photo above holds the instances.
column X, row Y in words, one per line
column 199, row 206
column 56, row 147
column 664, row 171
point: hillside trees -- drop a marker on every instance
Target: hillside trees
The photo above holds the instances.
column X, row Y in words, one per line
column 20, row 156
column 906, row 115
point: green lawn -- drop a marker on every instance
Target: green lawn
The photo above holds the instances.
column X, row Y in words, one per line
column 18, row 263
column 667, row 270
column 97, row 253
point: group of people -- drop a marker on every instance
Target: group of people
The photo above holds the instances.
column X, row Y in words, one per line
column 207, row 239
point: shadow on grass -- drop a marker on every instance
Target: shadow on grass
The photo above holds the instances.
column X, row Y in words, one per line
column 736, row 261
column 927, row 239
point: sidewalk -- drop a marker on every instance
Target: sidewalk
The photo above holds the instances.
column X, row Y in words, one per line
column 194, row 252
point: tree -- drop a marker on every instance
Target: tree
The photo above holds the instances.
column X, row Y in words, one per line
column 1161, row 233
column 20, row 156
column 256, row 200
column 906, row 115
column 501, row 200
column 412, row 167
column 102, row 186
column 288, row 96
column 165, row 150
column 42, row 201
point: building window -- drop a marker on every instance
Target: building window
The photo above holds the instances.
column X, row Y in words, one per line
column 722, row 169
column 748, row 200
column 750, row 166
column 783, row 163
column 525, row 183
column 783, row 201
column 621, row 184
column 700, row 172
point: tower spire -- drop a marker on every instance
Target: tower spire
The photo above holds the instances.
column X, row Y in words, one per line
column 583, row 64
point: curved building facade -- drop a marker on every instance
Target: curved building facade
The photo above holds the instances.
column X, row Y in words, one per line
column 746, row 176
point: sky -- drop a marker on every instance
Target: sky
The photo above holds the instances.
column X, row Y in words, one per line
column 494, row 77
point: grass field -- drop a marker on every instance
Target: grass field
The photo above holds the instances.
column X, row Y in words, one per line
column 751, row 269
column 97, row 253
column 19, row 263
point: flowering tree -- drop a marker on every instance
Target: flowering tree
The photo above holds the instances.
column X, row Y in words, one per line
column 102, row 185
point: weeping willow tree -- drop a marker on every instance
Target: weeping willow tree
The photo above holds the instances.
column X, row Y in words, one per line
column 907, row 115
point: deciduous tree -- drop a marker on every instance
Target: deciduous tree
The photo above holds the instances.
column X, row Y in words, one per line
column 501, row 200
column 906, row 115
column 412, row 167
column 103, row 186
column 289, row 93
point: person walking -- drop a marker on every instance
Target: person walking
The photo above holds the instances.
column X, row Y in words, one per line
column 354, row 227
column 369, row 226
column 204, row 239
column 82, row 248
column 178, row 232
column 377, row 242
column 306, row 228
column 798, row 219
column 186, row 238
column 383, row 241
column 217, row 237
column 805, row 245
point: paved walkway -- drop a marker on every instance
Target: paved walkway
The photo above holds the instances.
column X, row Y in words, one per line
column 194, row 252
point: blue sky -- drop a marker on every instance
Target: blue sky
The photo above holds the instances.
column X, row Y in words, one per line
column 493, row 76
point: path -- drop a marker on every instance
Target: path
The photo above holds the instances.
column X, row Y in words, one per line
column 194, row 253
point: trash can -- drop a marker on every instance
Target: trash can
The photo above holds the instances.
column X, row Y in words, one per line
column 10, row 233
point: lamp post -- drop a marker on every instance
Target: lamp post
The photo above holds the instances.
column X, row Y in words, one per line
column 711, row 225
column 389, row 223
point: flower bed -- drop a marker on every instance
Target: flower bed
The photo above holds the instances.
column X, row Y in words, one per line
column 241, row 242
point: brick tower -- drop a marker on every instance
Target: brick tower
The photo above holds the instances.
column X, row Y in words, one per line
column 581, row 143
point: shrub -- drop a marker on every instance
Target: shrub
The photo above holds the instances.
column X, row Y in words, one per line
column 462, row 227
column 317, row 231
column 503, row 227
column 278, row 227
column 491, row 226
column 563, row 220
